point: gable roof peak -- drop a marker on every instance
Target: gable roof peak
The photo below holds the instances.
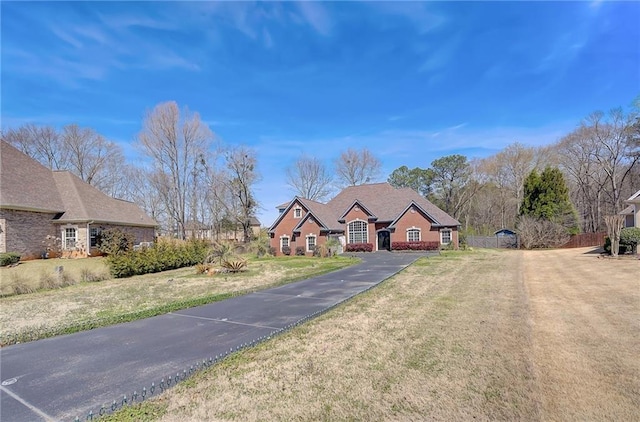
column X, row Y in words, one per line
column 634, row 197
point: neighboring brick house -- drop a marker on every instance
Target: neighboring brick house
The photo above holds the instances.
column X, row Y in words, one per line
column 632, row 212
column 375, row 213
column 36, row 202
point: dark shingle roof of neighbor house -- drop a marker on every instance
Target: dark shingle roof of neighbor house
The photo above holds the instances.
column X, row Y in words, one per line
column 382, row 200
column 83, row 202
column 28, row 185
column 25, row 184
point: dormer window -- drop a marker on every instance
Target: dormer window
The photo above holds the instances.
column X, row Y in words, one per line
column 297, row 212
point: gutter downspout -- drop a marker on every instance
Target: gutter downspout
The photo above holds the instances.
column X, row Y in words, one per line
column 89, row 238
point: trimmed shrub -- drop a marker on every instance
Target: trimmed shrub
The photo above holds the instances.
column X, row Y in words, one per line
column 286, row 250
column 359, row 247
column 162, row 256
column 9, row 258
column 115, row 241
column 622, row 248
column 300, row 251
column 630, row 237
column 272, row 251
column 415, row 246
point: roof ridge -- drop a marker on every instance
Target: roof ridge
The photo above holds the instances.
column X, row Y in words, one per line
column 76, row 191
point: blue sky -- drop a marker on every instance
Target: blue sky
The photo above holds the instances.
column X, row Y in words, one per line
column 411, row 81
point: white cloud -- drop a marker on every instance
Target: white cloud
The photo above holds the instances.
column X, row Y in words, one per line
column 316, row 15
column 421, row 15
column 440, row 56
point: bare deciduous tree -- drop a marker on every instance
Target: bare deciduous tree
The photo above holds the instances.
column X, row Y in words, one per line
column 309, row 178
column 82, row 151
column 89, row 154
column 357, row 167
column 174, row 141
column 612, row 150
column 614, row 224
column 42, row 143
column 586, row 178
column 241, row 177
column 541, row 233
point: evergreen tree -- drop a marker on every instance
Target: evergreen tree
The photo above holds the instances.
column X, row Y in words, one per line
column 546, row 197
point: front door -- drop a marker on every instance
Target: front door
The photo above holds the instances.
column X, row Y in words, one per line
column 384, row 240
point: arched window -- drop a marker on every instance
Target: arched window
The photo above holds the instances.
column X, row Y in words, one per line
column 413, row 235
column 358, row 232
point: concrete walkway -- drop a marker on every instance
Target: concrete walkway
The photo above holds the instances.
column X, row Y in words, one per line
column 95, row 371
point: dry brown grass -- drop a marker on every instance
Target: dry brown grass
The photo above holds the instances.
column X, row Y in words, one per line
column 488, row 335
column 448, row 339
column 586, row 337
column 30, row 276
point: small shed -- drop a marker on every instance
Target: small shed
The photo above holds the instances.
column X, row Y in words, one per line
column 506, row 238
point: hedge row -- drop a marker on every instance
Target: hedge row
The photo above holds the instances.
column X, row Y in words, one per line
column 9, row 258
column 159, row 257
column 415, row 246
column 359, row 247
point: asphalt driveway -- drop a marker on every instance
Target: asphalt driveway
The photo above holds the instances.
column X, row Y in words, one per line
column 96, row 371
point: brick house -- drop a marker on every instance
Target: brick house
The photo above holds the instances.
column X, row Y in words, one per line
column 231, row 232
column 374, row 213
column 36, row 202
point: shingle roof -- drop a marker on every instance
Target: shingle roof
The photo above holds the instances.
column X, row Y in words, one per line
column 387, row 202
column 28, row 185
column 382, row 200
column 83, row 202
column 323, row 213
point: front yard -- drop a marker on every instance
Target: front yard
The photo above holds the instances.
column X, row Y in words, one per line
column 485, row 335
column 86, row 304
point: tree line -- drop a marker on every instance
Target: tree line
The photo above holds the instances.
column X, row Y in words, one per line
column 598, row 162
column 594, row 168
column 188, row 179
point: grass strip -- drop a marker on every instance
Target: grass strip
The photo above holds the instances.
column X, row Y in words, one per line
column 46, row 332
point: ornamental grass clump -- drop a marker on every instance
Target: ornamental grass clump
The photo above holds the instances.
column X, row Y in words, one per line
column 235, row 265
